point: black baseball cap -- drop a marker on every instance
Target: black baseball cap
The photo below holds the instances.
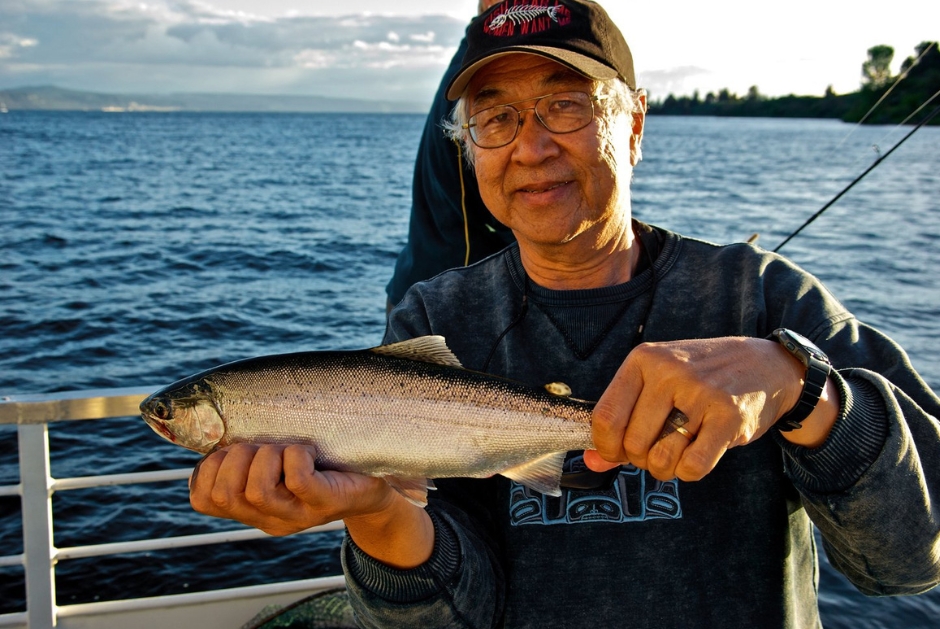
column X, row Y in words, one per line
column 576, row 33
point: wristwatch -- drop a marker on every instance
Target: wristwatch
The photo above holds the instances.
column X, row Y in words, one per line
column 818, row 369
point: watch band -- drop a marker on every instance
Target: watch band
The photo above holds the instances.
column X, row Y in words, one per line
column 818, row 369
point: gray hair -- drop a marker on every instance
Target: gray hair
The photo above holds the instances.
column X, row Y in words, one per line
column 615, row 99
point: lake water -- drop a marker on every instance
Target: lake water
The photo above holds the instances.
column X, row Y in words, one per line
column 139, row 248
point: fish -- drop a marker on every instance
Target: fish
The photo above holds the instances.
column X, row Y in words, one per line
column 408, row 412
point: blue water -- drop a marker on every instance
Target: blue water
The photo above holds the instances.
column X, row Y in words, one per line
column 139, row 248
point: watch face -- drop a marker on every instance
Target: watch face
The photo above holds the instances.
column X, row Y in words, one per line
column 794, row 342
column 817, row 373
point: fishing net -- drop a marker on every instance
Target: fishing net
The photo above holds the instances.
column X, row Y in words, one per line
column 324, row 610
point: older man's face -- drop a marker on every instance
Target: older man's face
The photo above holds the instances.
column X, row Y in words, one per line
column 549, row 188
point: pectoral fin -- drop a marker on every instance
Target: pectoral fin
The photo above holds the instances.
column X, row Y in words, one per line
column 542, row 474
column 415, row 490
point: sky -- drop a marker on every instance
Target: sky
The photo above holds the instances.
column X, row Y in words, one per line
column 398, row 49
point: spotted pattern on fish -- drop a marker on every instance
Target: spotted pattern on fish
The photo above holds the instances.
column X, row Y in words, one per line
column 524, row 13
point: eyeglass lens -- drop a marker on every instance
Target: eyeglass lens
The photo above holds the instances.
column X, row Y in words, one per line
column 564, row 112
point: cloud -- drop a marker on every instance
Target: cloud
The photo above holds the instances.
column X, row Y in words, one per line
column 9, row 44
column 674, row 80
column 315, row 59
column 165, row 45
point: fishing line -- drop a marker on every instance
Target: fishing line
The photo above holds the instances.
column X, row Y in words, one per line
column 523, row 311
column 880, row 159
column 918, row 110
column 650, row 246
column 900, row 78
column 858, row 125
column 463, row 204
column 900, row 125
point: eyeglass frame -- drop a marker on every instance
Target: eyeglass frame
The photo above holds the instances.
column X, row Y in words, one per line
column 591, row 100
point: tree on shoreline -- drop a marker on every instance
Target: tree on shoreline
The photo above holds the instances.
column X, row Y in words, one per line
column 921, row 79
column 876, row 71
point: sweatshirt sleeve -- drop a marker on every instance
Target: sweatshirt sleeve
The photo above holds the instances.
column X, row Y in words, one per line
column 873, row 488
column 456, row 587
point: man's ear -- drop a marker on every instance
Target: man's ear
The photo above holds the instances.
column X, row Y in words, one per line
column 639, row 122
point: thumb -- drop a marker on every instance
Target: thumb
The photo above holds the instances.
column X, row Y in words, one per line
column 597, row 463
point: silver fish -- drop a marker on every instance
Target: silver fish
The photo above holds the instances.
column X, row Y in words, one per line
column 408, row 412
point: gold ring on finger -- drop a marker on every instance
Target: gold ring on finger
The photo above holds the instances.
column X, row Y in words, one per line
column 675, row 422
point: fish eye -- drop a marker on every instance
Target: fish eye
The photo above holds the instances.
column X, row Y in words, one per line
column 161, row 410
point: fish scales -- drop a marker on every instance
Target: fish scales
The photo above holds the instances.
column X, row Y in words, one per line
column 374, row 412
column 421, row 408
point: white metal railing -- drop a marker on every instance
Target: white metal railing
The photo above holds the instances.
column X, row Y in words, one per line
column 32, row 414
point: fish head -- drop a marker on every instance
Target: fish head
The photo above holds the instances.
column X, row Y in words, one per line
column 185, row 415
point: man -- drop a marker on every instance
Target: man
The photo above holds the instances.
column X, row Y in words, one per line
column 732, row 441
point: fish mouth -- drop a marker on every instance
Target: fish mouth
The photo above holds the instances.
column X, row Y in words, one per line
column 160, row 428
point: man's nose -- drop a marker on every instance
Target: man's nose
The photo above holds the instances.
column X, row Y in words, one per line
column 534, row 141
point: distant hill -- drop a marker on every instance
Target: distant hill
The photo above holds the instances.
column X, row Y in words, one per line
column 50, row 98
column 920, row 83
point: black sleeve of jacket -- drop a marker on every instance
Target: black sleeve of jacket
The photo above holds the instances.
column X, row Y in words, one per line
column 873, row 488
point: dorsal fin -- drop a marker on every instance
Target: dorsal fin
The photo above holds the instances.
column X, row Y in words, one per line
column 427, row 349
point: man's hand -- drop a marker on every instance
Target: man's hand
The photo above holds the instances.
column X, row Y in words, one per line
column 731, row 389
column 276, row 488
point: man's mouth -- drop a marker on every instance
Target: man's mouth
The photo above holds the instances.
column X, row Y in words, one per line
column 544, row 188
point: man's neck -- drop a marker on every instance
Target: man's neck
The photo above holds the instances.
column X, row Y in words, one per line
column 609, row 260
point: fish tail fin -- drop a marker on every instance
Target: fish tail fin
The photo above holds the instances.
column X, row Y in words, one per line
column 542, row 474
column 414, row 490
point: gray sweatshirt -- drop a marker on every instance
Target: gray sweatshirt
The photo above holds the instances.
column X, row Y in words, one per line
column 735, row 549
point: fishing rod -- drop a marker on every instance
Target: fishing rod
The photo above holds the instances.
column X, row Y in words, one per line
column 884, row 96
column 880, row 159
column 901, row 77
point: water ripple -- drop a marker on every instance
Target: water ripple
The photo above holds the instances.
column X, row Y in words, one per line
column 139, row 249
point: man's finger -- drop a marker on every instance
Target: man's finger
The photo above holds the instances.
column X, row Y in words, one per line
column 649, row 421
column 675, row 438
column 265, row 488
column 228, row 491
column 612, row 412
column 206, row 469
column 701, row 457
column 597, row 463
column 300, row 474
column 203, row 480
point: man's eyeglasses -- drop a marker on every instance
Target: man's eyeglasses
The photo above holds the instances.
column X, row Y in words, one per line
column 564, row 112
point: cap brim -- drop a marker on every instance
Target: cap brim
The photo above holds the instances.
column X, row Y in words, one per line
column 582, row 64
